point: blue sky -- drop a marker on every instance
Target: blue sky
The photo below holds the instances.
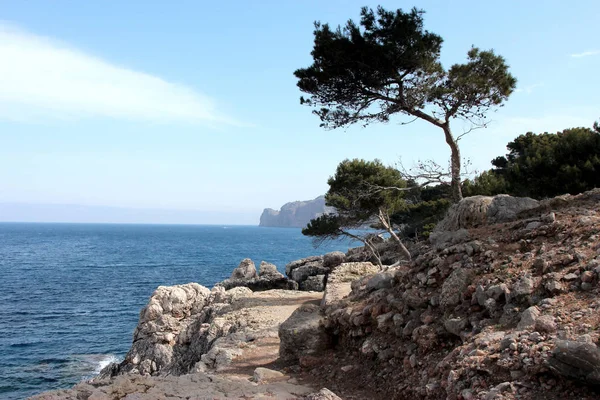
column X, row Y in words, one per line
column 192, row 105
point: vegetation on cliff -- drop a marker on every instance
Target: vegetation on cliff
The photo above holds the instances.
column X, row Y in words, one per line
column 544, row 165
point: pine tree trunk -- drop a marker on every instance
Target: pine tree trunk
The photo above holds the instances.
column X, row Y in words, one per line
column 454, row 164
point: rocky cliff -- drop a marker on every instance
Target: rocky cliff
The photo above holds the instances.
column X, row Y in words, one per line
column 296, row 214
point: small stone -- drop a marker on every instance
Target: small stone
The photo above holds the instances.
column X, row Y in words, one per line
column 570, row 277
column 535, row 337
column 347, row 368
column 540, row 265
column 586, row 286
column 456, row 325
column 545, row 324
column 554, row 287
column 587, row 276
column 523, row 287
column 549, row 218
column 262, row 375
column 533, row 225
column 528, row 318
column 413, row 360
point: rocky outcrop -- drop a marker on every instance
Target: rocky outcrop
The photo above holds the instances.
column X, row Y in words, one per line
column 296, row 214
column 339, row 284
column 480, row 210
column 311, row 272
column 268, row 278
column 184, row 387
column 506, row 308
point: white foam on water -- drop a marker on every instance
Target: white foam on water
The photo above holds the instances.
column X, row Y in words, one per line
column 104, row 361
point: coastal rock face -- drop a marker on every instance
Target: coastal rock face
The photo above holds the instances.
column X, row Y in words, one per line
column 187, row 328
column 296, row 214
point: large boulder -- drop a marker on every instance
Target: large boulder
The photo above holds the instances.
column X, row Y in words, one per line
column 339, row 283
column 316, row 260
column 480, row 210
column 313, row 284
column 302, row 334
column 269, row 270
column 579, row 360
column 310, row 272
column 333, row 259
column 246, row 270
column 170, row 311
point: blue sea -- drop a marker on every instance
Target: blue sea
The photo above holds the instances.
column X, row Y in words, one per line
column 70, row 294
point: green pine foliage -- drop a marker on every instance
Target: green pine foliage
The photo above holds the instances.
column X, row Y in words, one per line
column 544, row 165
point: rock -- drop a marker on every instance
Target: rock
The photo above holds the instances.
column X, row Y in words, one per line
column 577, row 360
column 301, row 270
column 171, row 310
column 570, row 277
column 313, row 284
column 456, row 325
column 554, row 287
column 522, row 289
column 528, row 318
column 323, row 394
column 339, row 283
column 260, row 284
column 302, row 334
column 498, row 292
column 545, row 324
column 442, row 239
column 533, row 225
column 454, row 287
column 333, row 259
column 246, row 270
column 587, row 276
column 480, row 210
column 318, row 260
column 381, row 280
column 262, row 375
column 302, row 273
column 549, row 218
column 269, row 270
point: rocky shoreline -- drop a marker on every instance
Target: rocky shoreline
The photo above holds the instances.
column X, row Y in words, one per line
column 501, row 303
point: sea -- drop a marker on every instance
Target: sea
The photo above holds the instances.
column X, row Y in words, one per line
column 70, row 294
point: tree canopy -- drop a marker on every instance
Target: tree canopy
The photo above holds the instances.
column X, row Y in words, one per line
column 389, row 64
column 544, row 165
column 363, row 193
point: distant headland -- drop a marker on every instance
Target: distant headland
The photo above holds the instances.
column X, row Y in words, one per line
column 295, row 214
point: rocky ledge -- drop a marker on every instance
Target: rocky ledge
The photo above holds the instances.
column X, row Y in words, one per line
column 502, row 303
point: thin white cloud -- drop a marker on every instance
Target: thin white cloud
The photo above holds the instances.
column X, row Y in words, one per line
column 586, row 54
column 529, row 89
column 42, row 78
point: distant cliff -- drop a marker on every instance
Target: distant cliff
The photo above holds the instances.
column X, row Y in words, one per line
column 295, row 214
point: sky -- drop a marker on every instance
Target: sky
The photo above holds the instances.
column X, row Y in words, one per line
column 188, row 111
